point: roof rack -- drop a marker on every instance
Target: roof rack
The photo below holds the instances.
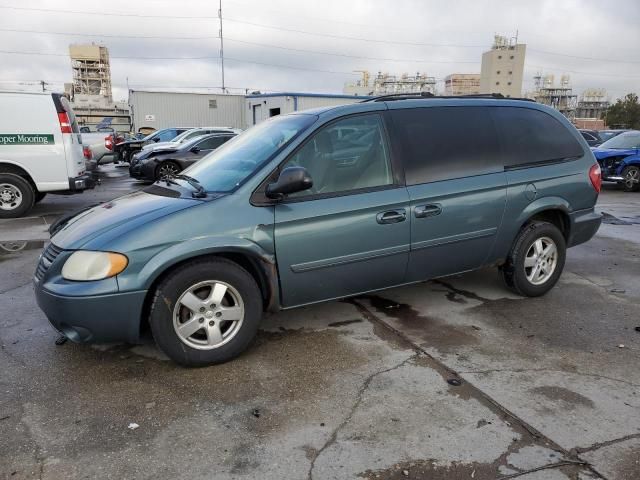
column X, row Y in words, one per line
column 429, row 95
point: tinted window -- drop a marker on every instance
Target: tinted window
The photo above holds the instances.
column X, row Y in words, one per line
column 212, row 143
column 343, row 165
column 440, row 143
column 587, row 136
column 530, row 136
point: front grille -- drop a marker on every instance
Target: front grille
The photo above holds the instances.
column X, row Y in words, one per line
column 48, row 256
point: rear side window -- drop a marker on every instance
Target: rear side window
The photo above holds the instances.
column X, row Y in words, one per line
column 442, row 143
column 530, row 136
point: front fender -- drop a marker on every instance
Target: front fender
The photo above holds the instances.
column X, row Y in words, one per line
column 196, row 247
column 627, row 162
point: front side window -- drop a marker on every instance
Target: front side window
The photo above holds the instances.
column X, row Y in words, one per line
column 211, row 143
column 167, row 135
column 228, row 166
column 339, row 162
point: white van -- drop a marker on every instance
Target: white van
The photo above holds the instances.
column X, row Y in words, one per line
column 40, row 150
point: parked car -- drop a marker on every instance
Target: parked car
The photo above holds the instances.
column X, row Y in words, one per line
column 168, row 161
column 277, row 219
column 40, row 151
column 619, row 159
column 609, row 134
column 125, row 149
column 191, row 134
column 592, row 137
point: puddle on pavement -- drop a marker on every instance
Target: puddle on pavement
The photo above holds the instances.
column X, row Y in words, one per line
column 568, row 398
column 430, row 330
column 613, row 220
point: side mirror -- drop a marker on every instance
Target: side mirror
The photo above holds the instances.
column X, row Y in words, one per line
column 195, row 149
column 291, row 180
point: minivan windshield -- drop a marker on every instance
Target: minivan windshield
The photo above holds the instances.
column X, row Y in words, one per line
column 228, row 166
column 624, row 140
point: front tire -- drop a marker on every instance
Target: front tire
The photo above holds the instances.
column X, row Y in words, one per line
column 17, row 196
column 167, row 169
column 536, row 260
column 206, row 312
column 631, row 179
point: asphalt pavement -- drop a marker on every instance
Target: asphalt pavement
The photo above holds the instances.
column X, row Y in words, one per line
column 450, row 379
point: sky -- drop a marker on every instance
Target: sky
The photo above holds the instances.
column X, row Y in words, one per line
column 286, row 45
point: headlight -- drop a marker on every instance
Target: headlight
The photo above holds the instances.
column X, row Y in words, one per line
column 84, row 265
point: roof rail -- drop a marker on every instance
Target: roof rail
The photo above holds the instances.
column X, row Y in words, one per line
column 399, row 96
column 429, row 95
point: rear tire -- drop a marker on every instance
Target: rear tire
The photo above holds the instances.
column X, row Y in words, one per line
column 17, row 196
column 40, row 196
column 536, row 260
column 222, row 324
column 631, row 176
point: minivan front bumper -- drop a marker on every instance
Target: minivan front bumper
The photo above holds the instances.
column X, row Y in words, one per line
column 93, row 318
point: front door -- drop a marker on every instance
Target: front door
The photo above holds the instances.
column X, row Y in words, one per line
column 457, row 187
column 350, row 232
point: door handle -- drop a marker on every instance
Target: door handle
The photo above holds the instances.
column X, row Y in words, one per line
column 422, row 211
column 392, row 216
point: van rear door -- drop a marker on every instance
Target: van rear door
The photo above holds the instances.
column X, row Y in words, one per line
column 71, row 138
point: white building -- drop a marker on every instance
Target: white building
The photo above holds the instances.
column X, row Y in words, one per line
column 259, row 107
column 178, row 109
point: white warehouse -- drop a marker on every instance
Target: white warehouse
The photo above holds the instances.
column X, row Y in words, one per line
column 259, row 107
column 178, row 109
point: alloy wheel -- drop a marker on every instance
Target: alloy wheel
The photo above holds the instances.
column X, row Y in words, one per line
column 541, row 260
column 208, row 315
column 167, row 170
column 632, row 178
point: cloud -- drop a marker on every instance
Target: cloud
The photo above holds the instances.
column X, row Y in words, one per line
column 436, row 38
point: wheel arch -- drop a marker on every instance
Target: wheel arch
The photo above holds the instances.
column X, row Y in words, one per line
column 554, row 210
column 13, row 168
column 260, row 266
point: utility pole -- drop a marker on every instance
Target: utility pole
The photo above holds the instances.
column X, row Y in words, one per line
column 221, row 44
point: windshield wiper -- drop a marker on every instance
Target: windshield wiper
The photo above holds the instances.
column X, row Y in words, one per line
column 200, row 191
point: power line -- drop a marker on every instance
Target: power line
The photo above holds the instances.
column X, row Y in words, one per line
column 302, row 50
column 208, row 37
column 102, row 14
column 106, row 35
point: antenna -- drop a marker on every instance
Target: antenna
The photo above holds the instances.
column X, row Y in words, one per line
column 221, row 44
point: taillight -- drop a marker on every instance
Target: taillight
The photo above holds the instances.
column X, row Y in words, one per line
column 86, row 151
column 108, row 142
column 595, row 175
column 65, row 124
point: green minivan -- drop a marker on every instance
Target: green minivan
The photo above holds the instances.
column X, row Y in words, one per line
column 320, row 205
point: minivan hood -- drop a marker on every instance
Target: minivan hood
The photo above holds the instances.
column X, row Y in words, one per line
column 117, row 216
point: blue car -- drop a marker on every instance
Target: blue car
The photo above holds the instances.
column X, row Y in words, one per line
column 619, row 159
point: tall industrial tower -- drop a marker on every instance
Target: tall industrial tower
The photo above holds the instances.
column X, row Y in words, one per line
column 91, row 72
column 503, row 67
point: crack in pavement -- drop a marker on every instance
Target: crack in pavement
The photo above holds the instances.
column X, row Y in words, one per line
column 15, row 288
column 363, row 388
column 566, row 372
column 533, row 432
column 597, row 446
column 563, row 463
